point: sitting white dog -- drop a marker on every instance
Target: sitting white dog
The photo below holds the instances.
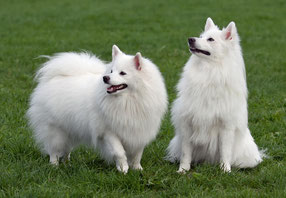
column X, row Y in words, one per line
column 117, row 108
column 210, row 112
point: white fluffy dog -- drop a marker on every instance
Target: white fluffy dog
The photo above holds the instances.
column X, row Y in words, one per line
column 210, row 112
column 117, row 108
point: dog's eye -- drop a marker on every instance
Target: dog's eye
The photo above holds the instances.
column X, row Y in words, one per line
column 210, row 39
column 122, row 73
column 111, row 71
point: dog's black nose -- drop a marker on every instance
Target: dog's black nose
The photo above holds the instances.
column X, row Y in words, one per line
column 192, row 40
column 106, row 79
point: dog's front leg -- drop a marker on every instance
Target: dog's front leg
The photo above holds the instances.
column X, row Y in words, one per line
column 186, row 155
column 117, row 151
column 226, row 139
column 135, row 159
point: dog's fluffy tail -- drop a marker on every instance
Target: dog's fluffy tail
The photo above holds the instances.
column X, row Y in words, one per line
column 174, row 150
column 69, row 64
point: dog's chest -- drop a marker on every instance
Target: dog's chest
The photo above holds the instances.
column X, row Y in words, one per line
column 131, row 121
column 210, row 95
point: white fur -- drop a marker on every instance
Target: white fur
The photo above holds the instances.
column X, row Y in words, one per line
column 210, row 113
column 71, row 106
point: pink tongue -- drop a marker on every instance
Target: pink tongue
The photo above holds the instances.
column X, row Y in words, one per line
column 112, row 88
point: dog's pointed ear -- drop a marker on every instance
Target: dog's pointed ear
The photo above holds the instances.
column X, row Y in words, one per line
column 209, row 24
column 230, row 31
column 115, row 51
column 138, row 61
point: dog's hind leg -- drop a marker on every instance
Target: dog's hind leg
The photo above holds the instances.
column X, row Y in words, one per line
column 56, row 143
column 246, row 153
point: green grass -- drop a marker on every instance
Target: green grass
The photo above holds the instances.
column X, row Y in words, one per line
column 159, row 30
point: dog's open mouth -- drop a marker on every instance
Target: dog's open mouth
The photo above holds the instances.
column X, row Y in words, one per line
column 115, row 88
column 196, row 50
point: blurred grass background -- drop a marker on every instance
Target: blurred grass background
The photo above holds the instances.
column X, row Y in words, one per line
column 159, row 30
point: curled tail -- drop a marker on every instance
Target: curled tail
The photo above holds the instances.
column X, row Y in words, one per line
column 69, row 64
column 174, row 150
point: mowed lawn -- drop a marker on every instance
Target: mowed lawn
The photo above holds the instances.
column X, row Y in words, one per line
column 159, row 30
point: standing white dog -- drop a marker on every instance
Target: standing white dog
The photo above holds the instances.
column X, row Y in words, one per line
column 117, row 108
column 210, row 113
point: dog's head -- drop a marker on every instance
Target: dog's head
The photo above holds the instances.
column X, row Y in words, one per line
column 123, row 72
column 214, row 43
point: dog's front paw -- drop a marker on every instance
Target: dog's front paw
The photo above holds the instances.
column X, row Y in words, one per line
column 137, row 167
column 122, row 167
column 225, row 167
column 184, row 168
column 54, row 160
column 181, row 171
